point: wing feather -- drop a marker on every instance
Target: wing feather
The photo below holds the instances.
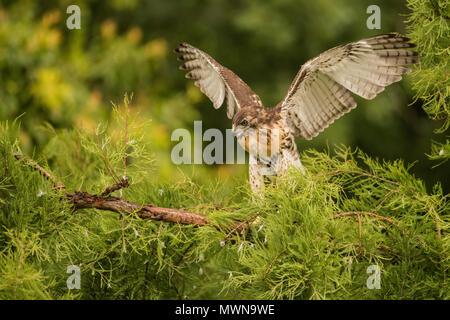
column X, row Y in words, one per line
column 215, row 81
column 322, row 89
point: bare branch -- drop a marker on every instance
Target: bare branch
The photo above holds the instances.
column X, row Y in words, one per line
column 56, row 184
column 240, row 226
column 122, row 184
column 85, row 200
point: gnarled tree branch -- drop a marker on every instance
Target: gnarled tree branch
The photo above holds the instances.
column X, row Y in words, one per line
column 85, row 200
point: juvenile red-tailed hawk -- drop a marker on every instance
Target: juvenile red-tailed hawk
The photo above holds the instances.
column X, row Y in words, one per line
column 320, row 93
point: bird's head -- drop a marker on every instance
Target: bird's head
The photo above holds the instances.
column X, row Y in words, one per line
column 244, row 120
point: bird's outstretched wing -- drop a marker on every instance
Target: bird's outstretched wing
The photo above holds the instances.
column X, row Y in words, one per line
column 322, row 89
column 216, row 81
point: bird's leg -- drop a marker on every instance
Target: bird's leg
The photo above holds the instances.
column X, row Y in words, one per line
column 289, row 158
column 256, row 178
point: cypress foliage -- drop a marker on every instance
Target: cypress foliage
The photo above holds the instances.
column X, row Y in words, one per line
column 428, row 26
column 309, row 237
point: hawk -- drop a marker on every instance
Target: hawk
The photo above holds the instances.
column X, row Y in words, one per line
column 321, row 92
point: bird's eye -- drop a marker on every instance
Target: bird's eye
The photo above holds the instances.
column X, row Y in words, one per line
column 244, row 123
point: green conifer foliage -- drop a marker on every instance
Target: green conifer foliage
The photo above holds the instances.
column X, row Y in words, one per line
column 311, row 236
column 428, row 26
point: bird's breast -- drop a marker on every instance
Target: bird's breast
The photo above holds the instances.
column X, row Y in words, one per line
column 263, row 143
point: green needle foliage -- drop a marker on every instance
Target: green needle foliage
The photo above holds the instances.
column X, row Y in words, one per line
column 428, row 25
column 311, row 236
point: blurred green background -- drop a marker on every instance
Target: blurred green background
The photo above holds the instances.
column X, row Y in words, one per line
column 68, row 78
